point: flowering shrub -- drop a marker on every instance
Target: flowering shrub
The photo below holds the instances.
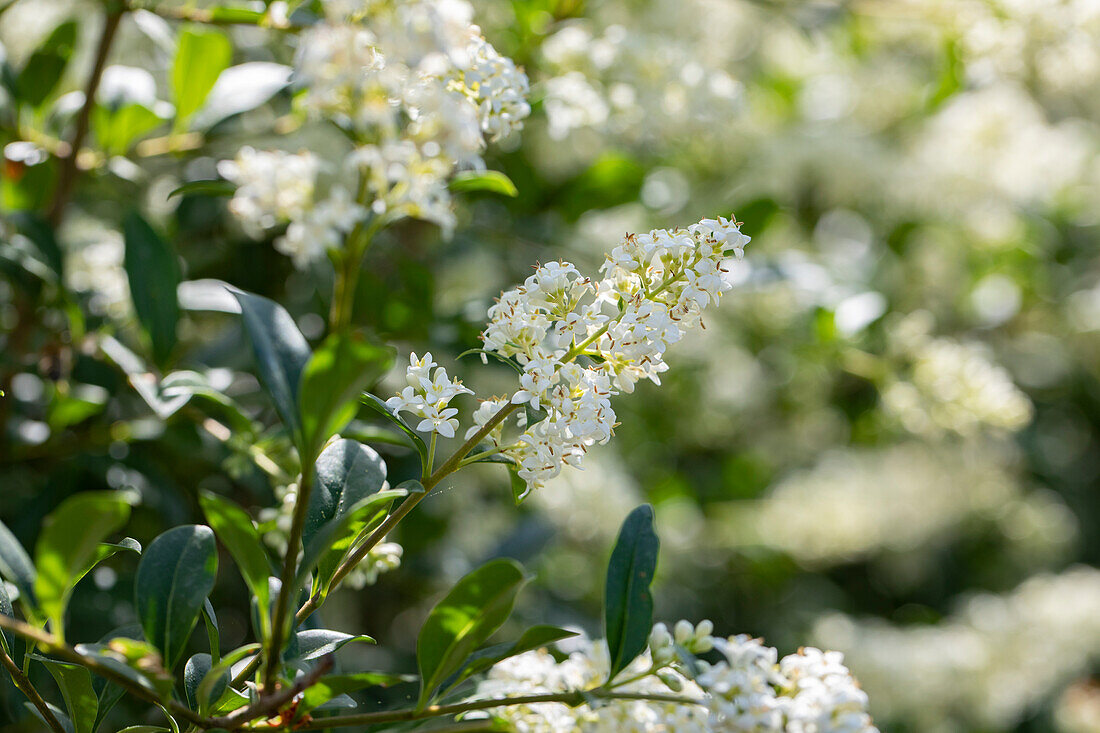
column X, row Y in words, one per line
column 418, row 94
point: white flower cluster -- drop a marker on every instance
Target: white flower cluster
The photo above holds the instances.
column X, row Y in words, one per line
column 419, row 91
column 953, row 387
column 427, row 395
column 750, row 690
column 654, row 288
column 276, row 187
column 986, row 665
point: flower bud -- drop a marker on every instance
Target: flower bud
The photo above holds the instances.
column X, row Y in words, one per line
column 671, row 680
column 683, row 631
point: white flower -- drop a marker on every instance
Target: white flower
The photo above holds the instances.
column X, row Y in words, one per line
column 427, row 395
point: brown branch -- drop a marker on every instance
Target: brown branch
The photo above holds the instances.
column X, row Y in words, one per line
column 268, row 705
column 23, row 684
column 66, row 178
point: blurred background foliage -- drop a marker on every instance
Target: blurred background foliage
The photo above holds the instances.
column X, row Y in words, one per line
column 884, row 442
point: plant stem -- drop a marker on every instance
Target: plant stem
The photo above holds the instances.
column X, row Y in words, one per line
column 572, row 698
column 23, row 684
column 290, row 568
column 50, row 644
column 66, row 177
column 268, row 705
column 448, row 467
column 430, row 463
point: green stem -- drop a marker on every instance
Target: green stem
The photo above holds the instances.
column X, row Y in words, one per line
column 431, row 456
column 290, row 567
column 572, row 698
column 23, row 684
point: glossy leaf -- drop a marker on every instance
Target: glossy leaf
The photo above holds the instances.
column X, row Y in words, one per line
column 154, row 274
column 43, row 70
column 118, row 128
column 379, row 406
column 194, row 672
column 69, row 545
column 75, row 683
column 212, row 187
column 333, row 378
column 463, row 620
column 204, row 693
column 281, row 353
column 628, row 604
column 535, row 637
column 332, row 686
column 201, row 56
column 16, row 566
column 233, row 526
column 5, row 610
column 487, row 180
column 346, row 473
column 242, row 88
column 330, row 535
column 134, row 659
column 316, row 643
column 174, row 578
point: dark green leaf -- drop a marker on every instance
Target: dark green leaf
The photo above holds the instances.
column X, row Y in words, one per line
column 520, row 489
column 154, row 274
column 235, row 529
column 76, row 689
column 332, row 686
column 491, row 181
column 43, row 70
column 202, row 54
column 281, row 353
column 213, row 187
column 628, row 605
column 463, row 620
column 481, row 660
column 213, row 633
column 331, row 383
column 316, row 643
column 204, row 693
column 57, row 713
column 16, row 566
column 69, row 545
column 175, row 576
column 346, row 473
column 5, row 610
column 134, row 659
column 379, row 406
column 194, row 672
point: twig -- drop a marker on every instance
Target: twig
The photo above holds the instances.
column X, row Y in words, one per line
column 50, row 644
column 66, row 177
column 23, row 684
column 572, row 698
column 268, row 705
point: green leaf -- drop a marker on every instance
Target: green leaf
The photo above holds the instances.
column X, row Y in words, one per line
column 204, row 692
column 331, row 383
column 174, row 578
column 212, row 187
column 144, row 729
column 5, row 610
column 341, row 530
column 117, row 128
column 134, row 659
column 628, row 605
column 194, row 672
column 332, row 686
column 476, row 607
column 281, row 353
column 346, row 473
column 16, row 566
column 520, row 489
column 58, row 713
column 534, row 638
column 235, row 529
column 213, row 633
column 68, row 547
column 43, row 70
column 499, row 357
column 201, row 55
column 76, row 689
column 316, row 643
column 491, row 181
column 154, row 274
column 379, row 406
